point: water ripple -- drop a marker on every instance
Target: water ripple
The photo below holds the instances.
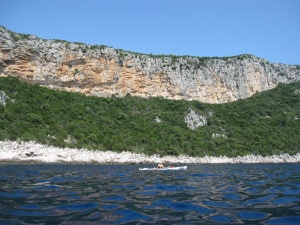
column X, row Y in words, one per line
column 113, row 194
column 131, row 216
column 252, row 215
column 286, row 220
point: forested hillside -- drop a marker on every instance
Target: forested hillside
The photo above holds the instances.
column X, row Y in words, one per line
column 267, row 123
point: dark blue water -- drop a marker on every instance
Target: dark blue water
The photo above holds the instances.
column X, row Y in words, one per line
column 121, row 194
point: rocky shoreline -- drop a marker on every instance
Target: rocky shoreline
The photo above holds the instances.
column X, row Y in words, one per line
column 31, row 152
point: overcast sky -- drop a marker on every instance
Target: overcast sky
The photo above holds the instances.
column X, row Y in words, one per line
column 266, row 28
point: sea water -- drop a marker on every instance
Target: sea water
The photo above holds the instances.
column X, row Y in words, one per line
column 121, row 194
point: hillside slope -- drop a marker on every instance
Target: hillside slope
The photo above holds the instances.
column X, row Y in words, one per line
column 267, row 123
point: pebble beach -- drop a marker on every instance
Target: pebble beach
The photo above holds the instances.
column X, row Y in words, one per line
column 31, row 152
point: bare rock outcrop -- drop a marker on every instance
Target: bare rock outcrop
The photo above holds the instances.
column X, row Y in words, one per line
column 3, row 98
column 105, row 71
column 194, row 120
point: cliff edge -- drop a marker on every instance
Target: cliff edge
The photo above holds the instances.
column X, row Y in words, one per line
column 105, row 71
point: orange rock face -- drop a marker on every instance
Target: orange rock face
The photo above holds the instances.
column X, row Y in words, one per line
column 104, row 71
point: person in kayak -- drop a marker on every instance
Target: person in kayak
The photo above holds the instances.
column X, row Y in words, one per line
column 160, row 166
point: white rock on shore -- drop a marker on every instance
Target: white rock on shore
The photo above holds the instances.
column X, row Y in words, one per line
column 15, row 152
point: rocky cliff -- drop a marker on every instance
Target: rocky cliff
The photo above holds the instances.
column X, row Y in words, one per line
column 105, row 71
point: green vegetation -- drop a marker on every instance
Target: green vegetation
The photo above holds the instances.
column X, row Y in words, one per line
column 267, row 123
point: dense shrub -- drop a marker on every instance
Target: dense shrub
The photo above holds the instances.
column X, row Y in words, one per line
column 267, row 123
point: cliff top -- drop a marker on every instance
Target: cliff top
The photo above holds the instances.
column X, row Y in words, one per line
column 19, row 37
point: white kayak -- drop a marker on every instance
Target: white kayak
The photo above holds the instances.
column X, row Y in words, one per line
column 166, row 168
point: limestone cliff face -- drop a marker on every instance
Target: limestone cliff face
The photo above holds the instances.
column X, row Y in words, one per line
column 105, row 71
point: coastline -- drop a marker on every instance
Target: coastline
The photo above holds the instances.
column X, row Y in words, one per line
column 32, row 152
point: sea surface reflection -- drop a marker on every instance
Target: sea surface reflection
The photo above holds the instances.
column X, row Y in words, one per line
column 121, row 194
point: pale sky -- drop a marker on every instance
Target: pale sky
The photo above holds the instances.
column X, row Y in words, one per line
column 268, row 29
